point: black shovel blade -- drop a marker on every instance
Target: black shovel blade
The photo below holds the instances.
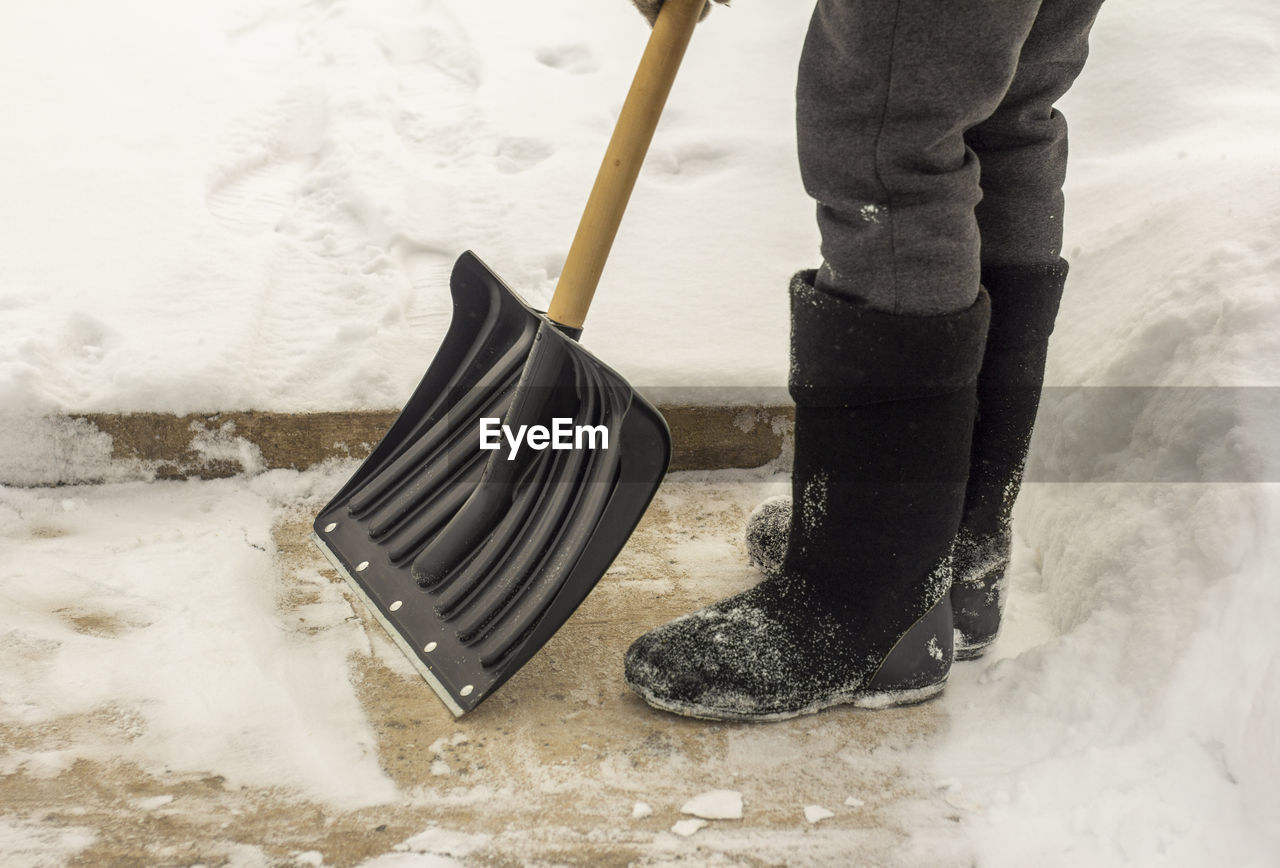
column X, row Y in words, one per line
column 472, row 557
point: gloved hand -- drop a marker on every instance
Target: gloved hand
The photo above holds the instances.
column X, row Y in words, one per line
column 649, row 8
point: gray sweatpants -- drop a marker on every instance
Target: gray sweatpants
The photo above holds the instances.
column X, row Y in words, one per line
column 928, row 137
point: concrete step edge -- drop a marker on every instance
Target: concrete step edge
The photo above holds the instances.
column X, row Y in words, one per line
column 125, row 446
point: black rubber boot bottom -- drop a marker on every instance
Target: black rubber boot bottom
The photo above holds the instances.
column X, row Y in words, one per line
column 915, row 670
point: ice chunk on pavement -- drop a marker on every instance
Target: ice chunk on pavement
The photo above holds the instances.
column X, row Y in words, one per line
column 153, row 803
column 854, row 802
column 715, row 805
column 641, row 810
column 685, row 828
column 816, row 813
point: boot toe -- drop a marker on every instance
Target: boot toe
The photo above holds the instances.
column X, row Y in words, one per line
column 680, row 666
column 740, row 659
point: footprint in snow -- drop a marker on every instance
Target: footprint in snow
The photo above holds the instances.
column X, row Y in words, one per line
column 266, row 158
column 573, row 59
column 444, row 47
column 688, row 162
column 515, row 155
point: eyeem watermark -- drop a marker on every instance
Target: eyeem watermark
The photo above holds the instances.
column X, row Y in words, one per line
column 562, row 434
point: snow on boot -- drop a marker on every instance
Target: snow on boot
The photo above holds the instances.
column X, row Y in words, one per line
column 859, row 611
column 1024, row 305
column 767, row 528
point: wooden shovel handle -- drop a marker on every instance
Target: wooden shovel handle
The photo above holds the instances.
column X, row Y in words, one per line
column 622, row 159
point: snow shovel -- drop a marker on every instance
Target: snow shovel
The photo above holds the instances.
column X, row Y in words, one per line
column 521, row 464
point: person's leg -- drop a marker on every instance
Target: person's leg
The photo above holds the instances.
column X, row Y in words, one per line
column 886, row 91
column 1022, row 151
column 886, row 344
column 1022, row 146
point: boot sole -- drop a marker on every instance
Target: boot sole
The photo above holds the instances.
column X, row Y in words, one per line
column 870, row 701
column 971, row 652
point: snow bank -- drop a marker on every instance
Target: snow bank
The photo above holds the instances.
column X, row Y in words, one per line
column 1143, row 729
column 1143, row 726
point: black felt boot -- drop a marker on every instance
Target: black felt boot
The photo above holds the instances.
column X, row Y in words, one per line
column 1024, row 305
column 858, row 612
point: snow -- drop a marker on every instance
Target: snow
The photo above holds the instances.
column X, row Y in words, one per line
column 153, row 803
column 715, row 805
column 685, row 828
column 269, row 224
column 30, row 845
column 255, row 205
column 271, row 221
column 441, row 847
column 1149, row 715
column 155, row 606
column 817, row 813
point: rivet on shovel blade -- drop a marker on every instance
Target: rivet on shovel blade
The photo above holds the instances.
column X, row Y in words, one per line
column 466, row 691
column 431, row 646
column 396, row 605
column 362, row 566
column 330, row 527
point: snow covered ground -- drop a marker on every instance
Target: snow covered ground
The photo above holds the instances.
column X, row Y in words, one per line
column 254, row 205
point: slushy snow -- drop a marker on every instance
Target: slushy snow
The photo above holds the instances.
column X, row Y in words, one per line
column 157, row 604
